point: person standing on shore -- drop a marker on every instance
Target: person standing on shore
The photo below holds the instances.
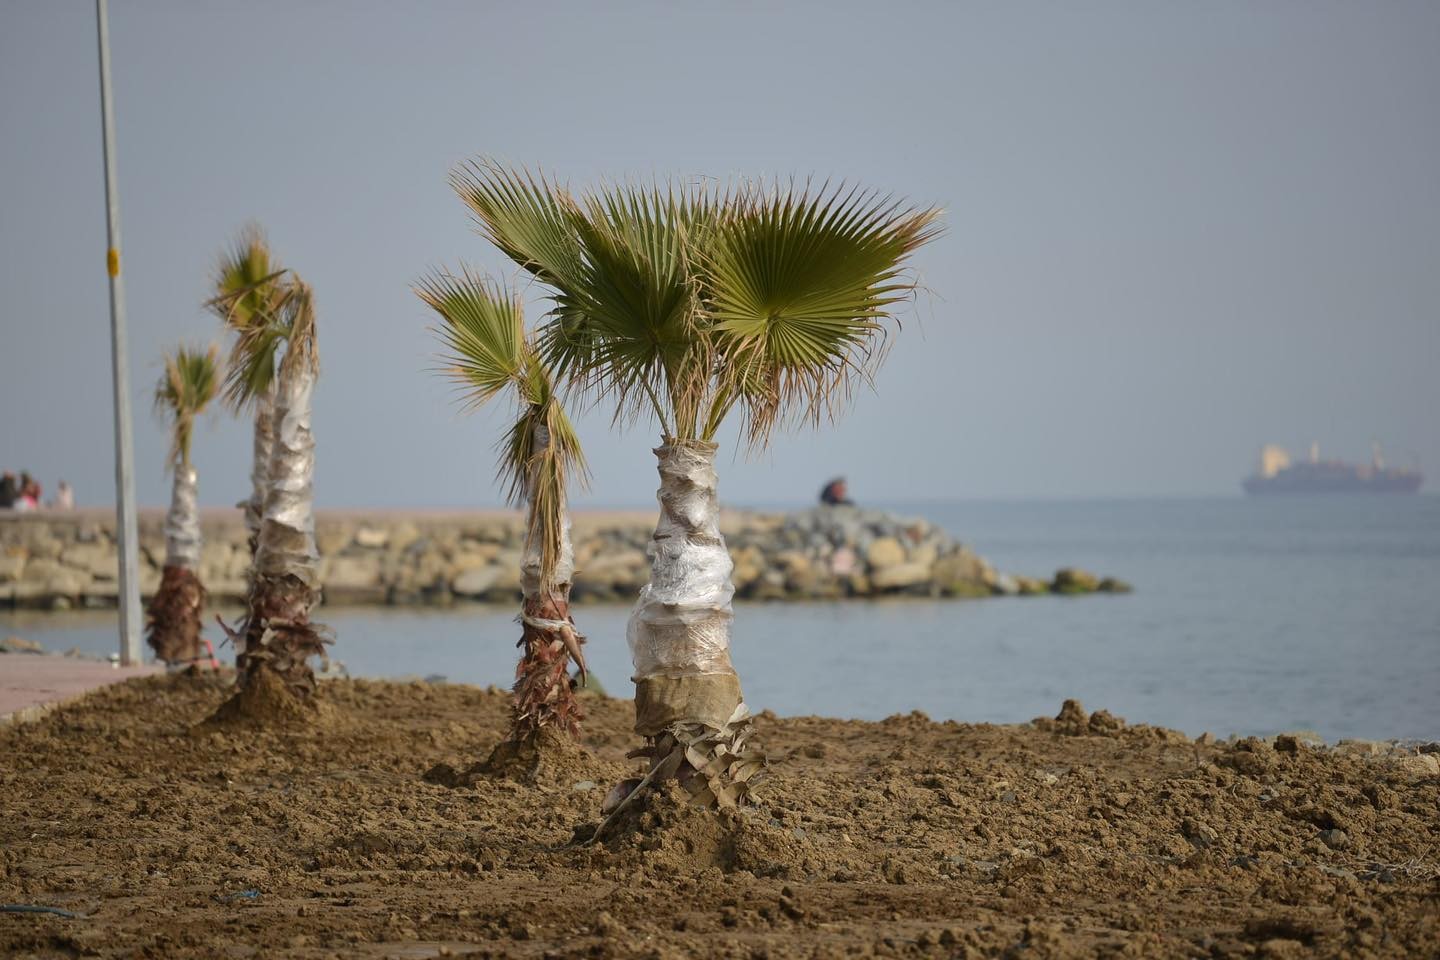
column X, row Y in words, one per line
column 64, row 497
column 836, row 494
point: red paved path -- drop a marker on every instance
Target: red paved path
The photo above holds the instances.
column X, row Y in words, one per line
column 31, row 683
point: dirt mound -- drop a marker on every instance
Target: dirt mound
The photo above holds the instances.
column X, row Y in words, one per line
column 547, row 757
column 1073, row 837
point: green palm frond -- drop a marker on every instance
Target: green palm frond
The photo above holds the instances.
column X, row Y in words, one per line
column 190, row 381
column 526, row 215
column 637, row 316
column 240, row 277
column 798, row 285
column 691, row 301
column 483, row 329
column 489, row 353
column 249, row 289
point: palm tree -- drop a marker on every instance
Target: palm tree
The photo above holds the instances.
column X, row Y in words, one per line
column 490, row 353
column 248, row 286
column 277, row 638
column 687, row 303
column 172, row 628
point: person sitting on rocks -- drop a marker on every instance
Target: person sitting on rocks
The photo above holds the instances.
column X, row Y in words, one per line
column 9, row 490
column 836, row 494
column 29, row 498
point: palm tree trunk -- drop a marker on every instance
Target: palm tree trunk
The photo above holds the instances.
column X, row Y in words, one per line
column 279, row 638
column 688, row 703
column 542, row 694
column 173, row 627
column 262, row 445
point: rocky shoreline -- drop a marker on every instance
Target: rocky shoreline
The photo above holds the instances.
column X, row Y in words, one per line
column 66, row 560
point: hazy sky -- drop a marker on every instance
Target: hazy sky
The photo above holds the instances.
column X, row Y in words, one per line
column 1175, row 230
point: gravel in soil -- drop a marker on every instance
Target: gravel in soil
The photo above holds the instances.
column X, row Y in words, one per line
column 370, row 832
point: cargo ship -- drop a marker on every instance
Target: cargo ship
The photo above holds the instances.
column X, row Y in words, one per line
column 1278, row 475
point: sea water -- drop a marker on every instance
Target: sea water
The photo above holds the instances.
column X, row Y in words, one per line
column 1249, row 616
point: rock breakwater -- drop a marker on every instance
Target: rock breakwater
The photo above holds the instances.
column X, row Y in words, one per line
column 64, row 560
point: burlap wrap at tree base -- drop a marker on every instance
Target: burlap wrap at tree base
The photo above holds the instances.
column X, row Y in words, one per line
column 660, row 701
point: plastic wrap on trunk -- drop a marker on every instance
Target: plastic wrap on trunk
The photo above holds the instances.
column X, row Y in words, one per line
column 182, row 523
column 681, row 623
column 287, row 540
column 263, row 444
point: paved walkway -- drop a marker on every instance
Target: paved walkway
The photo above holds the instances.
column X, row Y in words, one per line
column 32, row 684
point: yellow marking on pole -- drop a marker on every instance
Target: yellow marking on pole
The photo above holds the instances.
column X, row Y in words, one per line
column 112, row 261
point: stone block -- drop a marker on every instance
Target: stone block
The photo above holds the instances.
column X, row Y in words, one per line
column 901, row 576
column 475, row 582
column 885, row 552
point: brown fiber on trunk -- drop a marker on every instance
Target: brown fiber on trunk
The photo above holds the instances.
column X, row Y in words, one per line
column 275, row 644
column 172, row 620
column 543, row 696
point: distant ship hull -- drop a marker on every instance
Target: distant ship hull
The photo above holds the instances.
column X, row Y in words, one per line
column 1306, row 478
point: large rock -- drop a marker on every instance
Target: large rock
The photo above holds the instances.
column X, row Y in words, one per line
column 371, row 538
column 900, row 576
column 403, row 534
column 1031, row 586
column 330, row 540
column 351, row 573
column 43, row 546
column 475, row 582
column 215, row 561
column 41, row 569
column 96, row 560
column 884, row 552
column 12, row 564
column 926, row 553
column 624, row 568
column 795, row 563
column 1074, row 580
column 963, row 573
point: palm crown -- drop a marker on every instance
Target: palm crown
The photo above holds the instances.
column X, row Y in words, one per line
column 490, row 353
column 190, row 381
column 690, row 301
column 251, row 298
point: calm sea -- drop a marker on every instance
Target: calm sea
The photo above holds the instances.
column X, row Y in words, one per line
column 1249, row 616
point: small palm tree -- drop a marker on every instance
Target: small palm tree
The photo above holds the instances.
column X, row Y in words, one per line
column 687, row 303
column 248, row 287
column 490, row 353
column 190, row 382
column 277, row 637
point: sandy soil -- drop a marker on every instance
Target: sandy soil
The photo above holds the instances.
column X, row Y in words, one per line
column 899, row 838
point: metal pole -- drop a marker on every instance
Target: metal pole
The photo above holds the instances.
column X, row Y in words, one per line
column 126, row 533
